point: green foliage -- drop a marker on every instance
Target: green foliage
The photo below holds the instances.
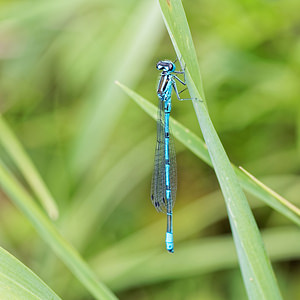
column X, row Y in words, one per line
column 50, row 235
column 69, row 126
column 19, row 282
column 197, row 146
column 17, row 153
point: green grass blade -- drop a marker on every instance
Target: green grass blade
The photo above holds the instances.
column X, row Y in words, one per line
column 179, row 32
column 198, row 147
column 256, row 268
column 261, row 271
column 17, row 153
column 19, row 282
column 285, row 202
column 51, row 236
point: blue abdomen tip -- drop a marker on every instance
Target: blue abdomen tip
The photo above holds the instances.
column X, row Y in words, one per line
column 169, row 242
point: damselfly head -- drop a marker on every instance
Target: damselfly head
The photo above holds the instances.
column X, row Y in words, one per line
column 166, row 65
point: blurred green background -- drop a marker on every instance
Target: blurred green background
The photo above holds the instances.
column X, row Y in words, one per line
column 95, row 148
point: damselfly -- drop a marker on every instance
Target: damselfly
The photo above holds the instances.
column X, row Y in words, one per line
column 164, row 178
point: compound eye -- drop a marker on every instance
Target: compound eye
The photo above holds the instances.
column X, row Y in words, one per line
column 171, row 67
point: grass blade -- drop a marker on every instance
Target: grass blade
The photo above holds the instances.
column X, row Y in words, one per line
column 198, row 147
column 27, row 168
column 51, row 236
column 258, row 276
column 285, row 202
column 256, row 268
column 19, row 282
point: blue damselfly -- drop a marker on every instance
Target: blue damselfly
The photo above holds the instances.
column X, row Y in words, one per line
column 164, row 178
